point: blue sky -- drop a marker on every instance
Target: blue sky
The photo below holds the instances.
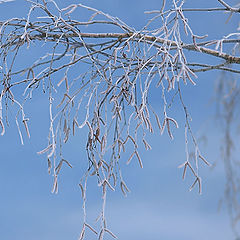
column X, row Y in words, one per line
column 159, row 205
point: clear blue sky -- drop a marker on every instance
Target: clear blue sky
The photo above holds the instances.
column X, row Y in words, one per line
column 159, row 205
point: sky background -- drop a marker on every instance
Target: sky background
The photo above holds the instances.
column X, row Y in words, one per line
column 160, row 205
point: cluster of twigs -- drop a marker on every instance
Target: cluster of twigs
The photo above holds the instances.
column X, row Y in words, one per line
column 119, row 67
